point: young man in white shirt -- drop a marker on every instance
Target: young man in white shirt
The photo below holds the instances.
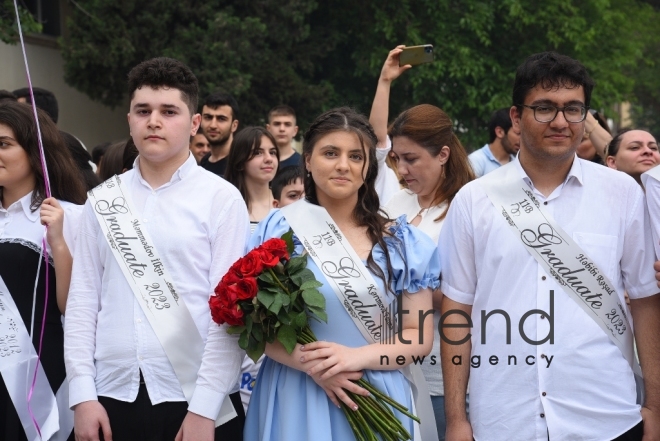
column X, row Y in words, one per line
column 122, row 380
column 548, row 371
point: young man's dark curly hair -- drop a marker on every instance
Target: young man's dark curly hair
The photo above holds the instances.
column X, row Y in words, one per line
column 167, row 73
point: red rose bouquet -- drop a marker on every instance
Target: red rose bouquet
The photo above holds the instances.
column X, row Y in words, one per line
column 268, row 295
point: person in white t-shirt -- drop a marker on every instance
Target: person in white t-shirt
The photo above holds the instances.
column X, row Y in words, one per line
column 549, row 371
column 122, row 380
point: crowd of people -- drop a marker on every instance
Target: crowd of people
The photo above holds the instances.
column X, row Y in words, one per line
column 534, row 258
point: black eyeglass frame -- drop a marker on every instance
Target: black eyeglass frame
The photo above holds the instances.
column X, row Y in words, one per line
column 585, row 109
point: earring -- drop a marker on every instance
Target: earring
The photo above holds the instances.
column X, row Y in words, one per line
column 309, row 174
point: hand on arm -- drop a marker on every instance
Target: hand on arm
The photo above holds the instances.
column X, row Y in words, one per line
column 88, row 418
column 646, row 312
column 455, row 377
column 380, row 107
column 333, row 386
column 52, row 215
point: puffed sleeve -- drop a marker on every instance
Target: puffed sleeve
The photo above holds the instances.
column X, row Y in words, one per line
column 273, row 225
column 414, row 258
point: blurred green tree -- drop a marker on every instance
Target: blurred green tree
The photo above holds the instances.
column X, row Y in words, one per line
column 8, row 28
column 314, row 55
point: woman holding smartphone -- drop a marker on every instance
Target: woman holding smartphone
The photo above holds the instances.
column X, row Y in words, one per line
column 434, row 165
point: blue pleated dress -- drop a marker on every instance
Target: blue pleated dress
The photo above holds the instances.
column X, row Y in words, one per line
column 286, row 404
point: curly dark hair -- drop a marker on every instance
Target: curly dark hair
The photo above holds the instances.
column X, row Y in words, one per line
column 168, row 73
column 550, row 70
column 367, row 212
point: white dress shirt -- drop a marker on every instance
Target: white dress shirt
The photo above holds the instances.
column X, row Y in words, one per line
column 588, row 390
column 199, row 225
column 652, row 186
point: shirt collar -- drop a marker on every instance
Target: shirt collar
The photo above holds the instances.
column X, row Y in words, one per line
column 489, row 154
column 24, row 204
column 575, row 172
column 181, row 173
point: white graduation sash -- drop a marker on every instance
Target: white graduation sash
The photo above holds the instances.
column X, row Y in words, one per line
column 556, row 251
column 18, row 359
column 152, row 286
column 357, row 291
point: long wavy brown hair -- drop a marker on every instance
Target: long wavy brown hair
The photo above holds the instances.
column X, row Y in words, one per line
column 432, row 129
column 367, row 212
column 65, row 181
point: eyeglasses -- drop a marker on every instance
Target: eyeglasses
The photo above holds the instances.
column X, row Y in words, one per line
column 546, row 113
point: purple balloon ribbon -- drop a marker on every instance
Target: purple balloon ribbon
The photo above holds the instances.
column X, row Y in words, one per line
column 44, row 170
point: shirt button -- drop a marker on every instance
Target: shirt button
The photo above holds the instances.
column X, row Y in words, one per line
column 145, row 221
column 545, row 203
column 542, row 317
column 140, row 357
column 542, row 415
column 138, row 321
column 544, row 394
column 542, row 277
column 542, row 355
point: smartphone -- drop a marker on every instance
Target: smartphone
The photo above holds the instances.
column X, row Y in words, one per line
column 415, row 55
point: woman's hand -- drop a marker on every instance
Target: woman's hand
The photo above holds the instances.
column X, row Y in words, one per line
column 52, row 215
column 336, row 358
column 337, row 385
column 391, row 69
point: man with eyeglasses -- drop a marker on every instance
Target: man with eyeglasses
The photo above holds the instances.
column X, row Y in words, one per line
column 538, row 254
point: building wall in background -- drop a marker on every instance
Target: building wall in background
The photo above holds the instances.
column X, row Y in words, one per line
column 90, row 121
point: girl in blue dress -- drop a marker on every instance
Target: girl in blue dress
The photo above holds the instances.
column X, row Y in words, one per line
column 297, row 395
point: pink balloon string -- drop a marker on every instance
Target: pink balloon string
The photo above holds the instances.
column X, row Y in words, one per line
column 44, row 170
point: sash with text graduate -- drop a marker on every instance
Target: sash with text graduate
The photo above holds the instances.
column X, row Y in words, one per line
column 556, row 251
column 357, row 291
column 18, row 359
column 145, row 272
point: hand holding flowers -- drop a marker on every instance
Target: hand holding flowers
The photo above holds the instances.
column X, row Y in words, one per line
column 267, row 296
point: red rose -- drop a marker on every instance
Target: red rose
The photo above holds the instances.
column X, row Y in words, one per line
column 250, row 265
column 223, row 311
column 245, row 289
column 276, row 247
column 233, row 275
column 265, row 257
column 233, row 316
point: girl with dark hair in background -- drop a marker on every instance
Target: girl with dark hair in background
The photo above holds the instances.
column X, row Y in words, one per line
column 24, row 211
column 251, row 165
column 297, row 396
column 434, row 165
column 113, row 161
